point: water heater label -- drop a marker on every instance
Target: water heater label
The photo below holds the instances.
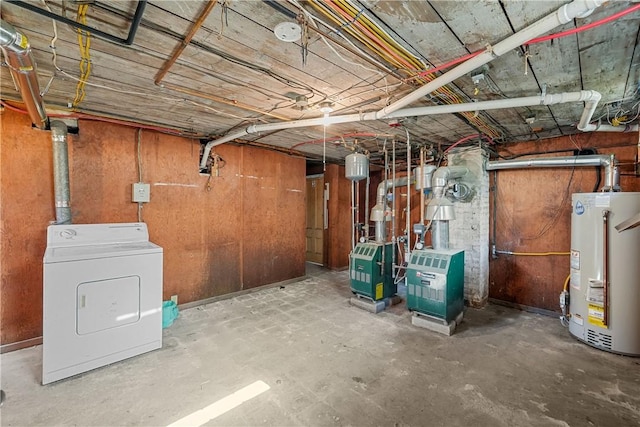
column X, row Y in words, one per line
column 595, row 295
column 575, row 260
column 577, row 319
column 596, row 315
column 602, row 201
column 579, row 208
column 575, row 279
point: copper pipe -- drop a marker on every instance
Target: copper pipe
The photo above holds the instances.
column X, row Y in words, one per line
column 221, row 100
column 184, row 43
column 605, row 262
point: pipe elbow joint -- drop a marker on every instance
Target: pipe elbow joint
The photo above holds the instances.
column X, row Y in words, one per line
column 591, row 95
column 577, row 9
column 58, row 130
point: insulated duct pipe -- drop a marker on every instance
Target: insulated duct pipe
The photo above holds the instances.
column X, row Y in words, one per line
column 591, row 98
column 611, row 174
column 442, row 175
column 61, row 172
column 17, row 54
column 378, row 211
column 440, row 209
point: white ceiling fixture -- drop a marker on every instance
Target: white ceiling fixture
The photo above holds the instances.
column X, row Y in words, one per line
column 288, row 31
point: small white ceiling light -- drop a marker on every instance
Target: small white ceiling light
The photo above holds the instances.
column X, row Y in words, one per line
column 326, row 107
column 288, row 32
column 302, row 102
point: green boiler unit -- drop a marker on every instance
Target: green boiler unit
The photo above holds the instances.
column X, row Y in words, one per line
column 435, row 283
column 365, row 273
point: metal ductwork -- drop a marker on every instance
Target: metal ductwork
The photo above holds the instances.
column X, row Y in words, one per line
column 380, row 211
column 61, row 172
column 17, row 53
column 440, row 209
column 611, row 173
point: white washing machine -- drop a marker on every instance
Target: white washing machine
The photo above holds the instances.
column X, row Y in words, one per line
column 102, row 297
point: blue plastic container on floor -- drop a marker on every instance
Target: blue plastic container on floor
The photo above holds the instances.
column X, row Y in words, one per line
column 169, row 313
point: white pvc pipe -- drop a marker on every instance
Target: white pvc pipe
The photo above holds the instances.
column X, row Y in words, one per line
column 591, row 97
column 566, row 13
column 609, row 128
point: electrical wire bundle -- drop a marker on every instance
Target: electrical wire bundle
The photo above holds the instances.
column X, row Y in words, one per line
column 84, row 42
column 354, row 21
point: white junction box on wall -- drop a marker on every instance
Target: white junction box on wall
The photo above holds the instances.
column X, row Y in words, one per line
column 141, row 192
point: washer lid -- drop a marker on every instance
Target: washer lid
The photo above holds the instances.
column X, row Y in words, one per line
column 86, row 252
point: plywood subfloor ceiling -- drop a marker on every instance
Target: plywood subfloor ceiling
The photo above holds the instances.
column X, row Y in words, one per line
column 235, row 72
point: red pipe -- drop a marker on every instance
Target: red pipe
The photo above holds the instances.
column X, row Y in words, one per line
column 102, row 119
column 467, row 138
column 584, row 27
column 448, row 64
column 538, row 39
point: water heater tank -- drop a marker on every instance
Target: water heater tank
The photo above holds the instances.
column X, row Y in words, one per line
column 356, row 166
column 605, row 270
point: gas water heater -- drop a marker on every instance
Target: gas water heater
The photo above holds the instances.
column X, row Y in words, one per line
column 604, row 292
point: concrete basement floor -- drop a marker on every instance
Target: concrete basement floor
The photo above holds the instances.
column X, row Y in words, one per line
column 328, row 363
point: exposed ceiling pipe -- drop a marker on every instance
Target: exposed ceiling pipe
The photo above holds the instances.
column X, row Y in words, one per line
column 612, row 177
column 591, row 97
column 282, row 9
column 588, row 96
column 61, row 172
column 17, row 53
column 135, row 22
column 565, row 14
column 609, row 128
